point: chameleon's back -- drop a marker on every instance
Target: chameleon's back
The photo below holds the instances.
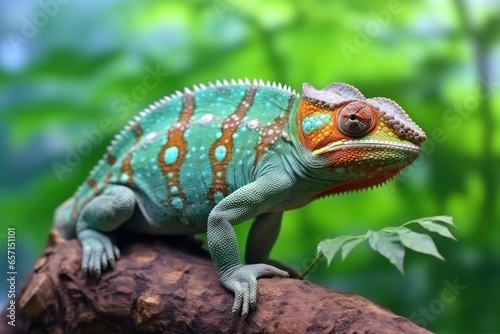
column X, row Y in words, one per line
column 191, row 150
column 223, row 154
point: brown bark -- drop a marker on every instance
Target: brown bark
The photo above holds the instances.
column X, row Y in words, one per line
column 169, row 285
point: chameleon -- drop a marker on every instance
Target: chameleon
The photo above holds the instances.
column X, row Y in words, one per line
column 220, row 154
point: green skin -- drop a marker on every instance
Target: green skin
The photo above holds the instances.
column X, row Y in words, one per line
column 220, row 155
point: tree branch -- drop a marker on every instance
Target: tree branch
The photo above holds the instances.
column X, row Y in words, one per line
column 169, row 285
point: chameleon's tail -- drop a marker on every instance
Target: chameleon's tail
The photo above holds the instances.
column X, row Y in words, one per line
column 62, row 219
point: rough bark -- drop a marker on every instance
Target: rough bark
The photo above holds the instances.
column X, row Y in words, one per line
column 169, row 285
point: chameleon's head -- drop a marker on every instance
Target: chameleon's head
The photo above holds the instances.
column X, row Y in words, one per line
column 363, row 142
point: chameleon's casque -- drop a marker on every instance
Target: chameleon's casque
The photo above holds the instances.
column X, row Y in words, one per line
column 217, row 155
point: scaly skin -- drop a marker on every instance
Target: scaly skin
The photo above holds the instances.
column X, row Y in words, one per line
column 207, row 159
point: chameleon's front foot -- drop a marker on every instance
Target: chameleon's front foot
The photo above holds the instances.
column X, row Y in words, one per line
column 242, row 281
column 98, row 251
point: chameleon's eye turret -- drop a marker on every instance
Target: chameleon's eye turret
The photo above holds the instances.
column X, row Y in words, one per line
column 342, row 126
column 355, row 119
column 357, row 142
column 338, row 112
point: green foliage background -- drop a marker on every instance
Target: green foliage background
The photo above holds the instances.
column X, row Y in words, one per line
column 437, row 59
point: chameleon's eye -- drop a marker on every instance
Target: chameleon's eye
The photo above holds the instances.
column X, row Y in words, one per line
column 355, row 119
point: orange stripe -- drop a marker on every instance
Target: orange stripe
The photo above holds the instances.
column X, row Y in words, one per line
column 175, row 138
column 110, row 158
column 229, row 127
column 271, row 133
column 92, row 184
column 126, row 164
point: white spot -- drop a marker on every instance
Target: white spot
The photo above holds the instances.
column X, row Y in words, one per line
column 124, row 177
column 253, row 124
column 150, row 137
column 285, row 136
column 270, row 132
column 206, row 119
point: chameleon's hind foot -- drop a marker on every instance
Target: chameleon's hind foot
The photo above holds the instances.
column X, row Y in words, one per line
column 98, row 252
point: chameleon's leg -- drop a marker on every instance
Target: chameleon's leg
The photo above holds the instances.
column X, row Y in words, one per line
column 261, row 239
column 246, row 202
column 104, row 213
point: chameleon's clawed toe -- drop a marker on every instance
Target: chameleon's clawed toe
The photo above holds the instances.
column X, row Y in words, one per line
column 242, row 280
column 98, row 252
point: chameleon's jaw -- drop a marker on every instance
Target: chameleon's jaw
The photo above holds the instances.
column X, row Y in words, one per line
column 361, row 164
column 368, row 144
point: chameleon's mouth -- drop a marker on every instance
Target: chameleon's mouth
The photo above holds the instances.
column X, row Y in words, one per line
column 375, row 144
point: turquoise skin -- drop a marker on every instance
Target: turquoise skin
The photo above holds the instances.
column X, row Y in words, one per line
column 207, row 159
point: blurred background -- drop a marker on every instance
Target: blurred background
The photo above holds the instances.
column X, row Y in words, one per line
column 69, row 69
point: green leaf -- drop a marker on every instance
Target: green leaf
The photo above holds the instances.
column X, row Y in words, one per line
column 390, row 229
column 330, row 247
column 418, row 242
column 391, row 241
column 385, row 244
column 348, row 246
column 434, row 227
column 442, row 219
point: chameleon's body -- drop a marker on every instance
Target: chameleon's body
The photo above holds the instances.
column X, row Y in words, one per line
column 206, row 159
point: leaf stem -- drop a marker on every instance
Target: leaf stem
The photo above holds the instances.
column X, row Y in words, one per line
column 312, row 265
